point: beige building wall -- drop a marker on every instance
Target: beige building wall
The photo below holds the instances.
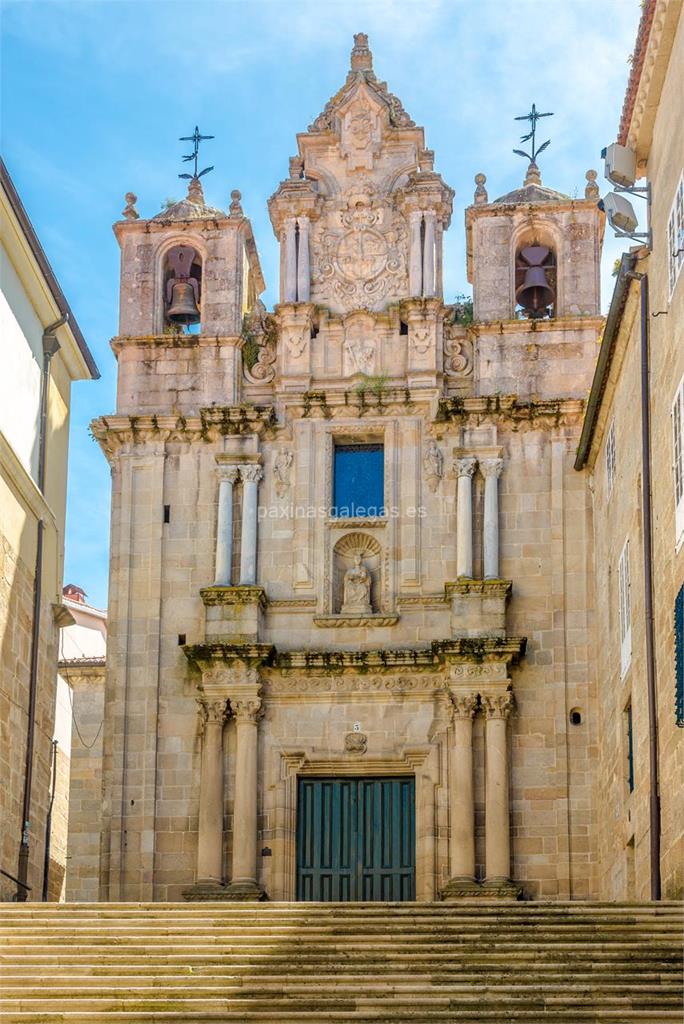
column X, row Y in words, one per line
column 31, row 300
column 653, row 126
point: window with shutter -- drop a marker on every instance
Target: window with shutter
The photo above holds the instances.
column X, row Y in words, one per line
column 678, row 460
column 679, row 658
column 625, row 610
column 675, row 236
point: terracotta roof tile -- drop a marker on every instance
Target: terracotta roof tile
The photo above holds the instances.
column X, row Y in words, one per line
column 638, row 56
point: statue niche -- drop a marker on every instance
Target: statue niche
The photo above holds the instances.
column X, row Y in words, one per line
column 356, row 575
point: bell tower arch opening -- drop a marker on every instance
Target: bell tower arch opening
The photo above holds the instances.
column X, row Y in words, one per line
column 182, row 289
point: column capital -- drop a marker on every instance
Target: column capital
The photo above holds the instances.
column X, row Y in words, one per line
column 251, row 473
column 491, row 468
column 465, row 466
column 229, row 473
column 464, row 705
column 415, row 216
column 212, row 711
column 247, row 709
column 498, row 706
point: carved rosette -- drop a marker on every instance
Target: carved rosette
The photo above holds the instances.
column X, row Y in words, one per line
column 498, row 706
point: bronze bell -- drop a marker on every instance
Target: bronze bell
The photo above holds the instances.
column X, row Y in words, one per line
column 535, row 294
column 183, row 308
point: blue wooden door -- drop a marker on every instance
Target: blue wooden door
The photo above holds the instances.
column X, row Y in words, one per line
column 356, row 839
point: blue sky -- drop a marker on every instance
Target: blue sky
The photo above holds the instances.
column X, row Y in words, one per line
column 96, row 93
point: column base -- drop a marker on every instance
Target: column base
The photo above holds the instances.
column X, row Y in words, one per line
column 501, row 889
column 244, row 891
column 205, row 891
column 461, row 887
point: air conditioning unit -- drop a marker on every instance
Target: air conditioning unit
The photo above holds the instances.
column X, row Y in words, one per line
column 620, row 165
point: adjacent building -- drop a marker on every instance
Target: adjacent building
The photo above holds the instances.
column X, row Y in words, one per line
column 43, row 353
column 639, row 530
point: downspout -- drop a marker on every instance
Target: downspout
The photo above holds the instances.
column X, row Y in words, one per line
column 50, row 347
column 654, row 786
column 48, row 823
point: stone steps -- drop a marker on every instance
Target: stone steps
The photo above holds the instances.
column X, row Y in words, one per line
column 468, row 963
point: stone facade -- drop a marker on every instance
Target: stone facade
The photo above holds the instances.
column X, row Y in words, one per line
column 612, row 452
column 238, row 663
column 42, row 354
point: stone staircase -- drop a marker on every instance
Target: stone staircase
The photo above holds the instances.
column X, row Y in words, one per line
column 470, row 963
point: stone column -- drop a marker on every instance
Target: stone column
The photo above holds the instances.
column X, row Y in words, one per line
column 303, row 265
column 497, row 819
column 465, row 468
column 290, row 260
column 243, row 885
column 251, row 475
column 224, row 528
column 461, row 801
column 429, row 253
column 415, row 254
column 491, row 470
column 210, row 836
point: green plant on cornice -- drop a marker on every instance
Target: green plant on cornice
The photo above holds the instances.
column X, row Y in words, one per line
column 463, row 310
column 168, row 203
column 375, row 383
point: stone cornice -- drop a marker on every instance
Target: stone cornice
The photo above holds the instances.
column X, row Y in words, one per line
column 354, row 621
column 339, row 403
column 484, row 588
column 251, row 654
column 561, row 324
column 212, row 596
column 502, row 409
column 159, row 341
column 115, row 432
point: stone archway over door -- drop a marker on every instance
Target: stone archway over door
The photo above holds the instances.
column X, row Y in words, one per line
column 356, row 839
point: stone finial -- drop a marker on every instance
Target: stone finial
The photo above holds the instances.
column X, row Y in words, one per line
column 130, row 212
column 195, row 192
column 592, row 189
column 426, row 159
column 361, row 57
column 533, row 176
column 235, row 209
column 296, row 168
column 480, row 196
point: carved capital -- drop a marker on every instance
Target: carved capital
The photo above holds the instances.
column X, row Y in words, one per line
column 491, row 468
column 212, row 712
column 499, row 706
column 251, row 473
column 227, row 473
column 246, row 709
column 464, row 704
column 465, row 466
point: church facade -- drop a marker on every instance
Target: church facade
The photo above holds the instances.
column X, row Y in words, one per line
column 350, row 649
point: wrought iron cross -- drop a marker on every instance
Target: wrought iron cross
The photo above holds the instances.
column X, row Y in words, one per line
column 195, row 138
column 532, row 117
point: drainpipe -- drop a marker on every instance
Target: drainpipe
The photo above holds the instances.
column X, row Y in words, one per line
column 48, row 823
column 50, row 347
column 654, row 787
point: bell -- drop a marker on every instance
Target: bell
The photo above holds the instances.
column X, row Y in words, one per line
column 183, row 308
column 535, row 294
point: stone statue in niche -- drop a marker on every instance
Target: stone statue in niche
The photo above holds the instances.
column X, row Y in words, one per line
column 357, row 589
column 433, row 464
column 281, row 471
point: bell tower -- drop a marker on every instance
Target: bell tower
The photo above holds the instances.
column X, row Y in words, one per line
column 533, row 262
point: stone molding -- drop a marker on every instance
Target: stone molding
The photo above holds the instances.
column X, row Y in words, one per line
column 150, row 341
column 116, row 433
column 237, row 595
column 300, row 762
column 506, row 409
column 295, row 685
column 482, row 588
column 355, row 621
